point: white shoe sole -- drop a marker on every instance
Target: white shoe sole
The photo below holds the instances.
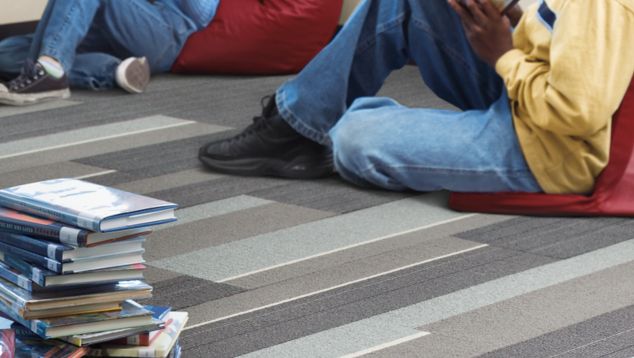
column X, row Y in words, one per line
column 27, row 99
column 133, row 74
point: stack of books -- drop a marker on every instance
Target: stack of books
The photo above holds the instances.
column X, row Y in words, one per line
column 71, row 268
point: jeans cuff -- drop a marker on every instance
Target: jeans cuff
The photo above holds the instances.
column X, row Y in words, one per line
column 297, row 123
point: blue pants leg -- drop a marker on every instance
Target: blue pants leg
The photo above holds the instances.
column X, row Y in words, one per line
column 377, row 141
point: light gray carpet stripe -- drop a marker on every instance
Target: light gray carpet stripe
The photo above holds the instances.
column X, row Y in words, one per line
column 403, row 248
column 400, row 323
column 596, row 337
column 99, row 146
column 263, row 252
column 528, row 316
column 48, row 171
column 168, row 181
column 89, row 135
column 319, row 283
column 216, row 208
column 8, row 111
column 228, row 227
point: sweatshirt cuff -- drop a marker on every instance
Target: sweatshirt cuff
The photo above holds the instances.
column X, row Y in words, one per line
column 508, row 62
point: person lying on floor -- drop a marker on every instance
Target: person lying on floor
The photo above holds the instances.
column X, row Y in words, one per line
column 535, row 103
column 98, row 44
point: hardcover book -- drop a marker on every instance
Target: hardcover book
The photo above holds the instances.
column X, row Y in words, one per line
column 76, row 266
column 21, row 300
column 130, row 315
column 86, row 205
column 147, row 338
column 39, row 348
column 48, row 279
column 88, row 339
column 160, row 348
column 7, row 343
column 20, row 223
column 66, row 253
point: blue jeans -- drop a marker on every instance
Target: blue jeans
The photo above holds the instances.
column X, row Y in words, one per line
column 377, row 141
column 91, row 37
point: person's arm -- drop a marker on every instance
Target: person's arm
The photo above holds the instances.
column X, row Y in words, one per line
column 576, row 92
column 591, row 65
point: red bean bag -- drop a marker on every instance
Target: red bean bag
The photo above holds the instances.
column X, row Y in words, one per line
column 613, row 193
column 260, row 37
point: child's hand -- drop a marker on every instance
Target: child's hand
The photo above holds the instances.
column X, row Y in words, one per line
column 488, row 31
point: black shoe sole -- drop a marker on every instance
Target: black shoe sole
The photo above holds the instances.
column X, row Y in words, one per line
column 299, row 168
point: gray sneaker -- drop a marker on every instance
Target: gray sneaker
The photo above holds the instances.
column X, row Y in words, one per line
column 33, row 85
column 133, row 74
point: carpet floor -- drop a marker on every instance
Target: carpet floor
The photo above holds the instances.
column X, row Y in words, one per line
column 280, row 268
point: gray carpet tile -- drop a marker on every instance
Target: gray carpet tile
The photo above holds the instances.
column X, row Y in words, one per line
column 330, row 195
column 335, row 308
column 549, row 309
column 554, row 237
column 184, row 291
column 225, row 228
column 47, row 171
column 142, row 161
column 7, row 111
column 409, row 247
column 596, row 337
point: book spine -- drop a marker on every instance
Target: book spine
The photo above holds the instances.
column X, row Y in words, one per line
column 35, row 274
column 40, row 247
column 36, row 259
column 142, row 339
column 35, row 326
column 50, row 232
column 52, row 212
column 17, row 279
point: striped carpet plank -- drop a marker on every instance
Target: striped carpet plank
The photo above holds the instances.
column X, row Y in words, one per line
column 226, row 228
column 380, row 328
column 49, row 171
column 607, row 335
column 8, row 111
column 410, row 247
column 72, row 145
column 305, row 241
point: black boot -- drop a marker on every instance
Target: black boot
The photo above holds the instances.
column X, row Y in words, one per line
column 269, row 147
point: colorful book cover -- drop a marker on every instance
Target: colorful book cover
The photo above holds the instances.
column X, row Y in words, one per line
column 16, row 222
column 21, row 300
column 67, row 253
column 48, row 279
column 86, row 205
column 146, row 338
column 88, row 339
column 130, row 315
column 160, row 348
column 7, row 343
column 39, row 348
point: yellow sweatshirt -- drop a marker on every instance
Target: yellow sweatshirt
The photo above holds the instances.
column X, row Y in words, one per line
column 572, row 64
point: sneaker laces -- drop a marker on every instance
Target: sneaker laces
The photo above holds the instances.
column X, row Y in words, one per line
column 29, row 74
column 259, row 122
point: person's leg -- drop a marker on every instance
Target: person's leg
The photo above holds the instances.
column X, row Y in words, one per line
column 381, row 143
column 381, row 36
column 13, row 52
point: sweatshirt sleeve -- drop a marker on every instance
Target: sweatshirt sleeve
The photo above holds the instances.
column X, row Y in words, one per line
column 578, row 90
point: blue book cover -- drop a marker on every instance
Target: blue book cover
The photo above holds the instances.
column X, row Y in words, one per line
column 131, row 313
column 87, row 205
column 16, row 277
column 41, row 261
column 39, row 247
column 16, row 222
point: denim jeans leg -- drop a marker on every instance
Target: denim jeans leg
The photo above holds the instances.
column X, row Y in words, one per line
column 13, row 52
column 369, row 47
column 94, row 71
column 382, row 143
column 65, row 25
